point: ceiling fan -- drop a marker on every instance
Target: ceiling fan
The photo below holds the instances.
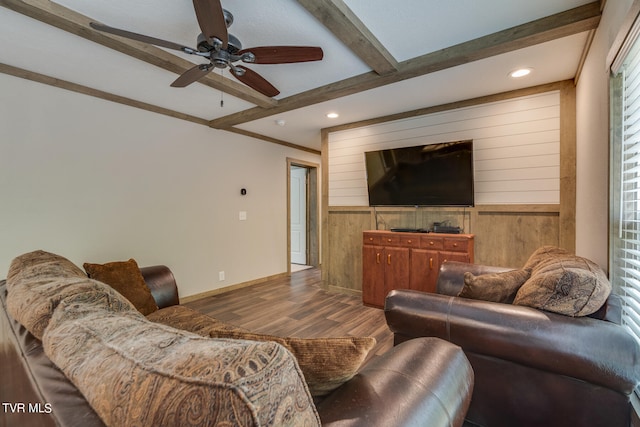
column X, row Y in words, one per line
column 223, row 50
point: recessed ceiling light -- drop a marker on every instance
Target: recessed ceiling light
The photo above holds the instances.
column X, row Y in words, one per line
column 520, row 72
column 333, row 115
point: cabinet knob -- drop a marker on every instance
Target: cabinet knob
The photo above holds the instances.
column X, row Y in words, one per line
column 431, row 263
column 389, row 259
column 389, row 240
column 409, row 241
column 455, row 245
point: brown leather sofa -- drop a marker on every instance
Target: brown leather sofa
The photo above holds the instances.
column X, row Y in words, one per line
column 532, row 367
column 421, row 382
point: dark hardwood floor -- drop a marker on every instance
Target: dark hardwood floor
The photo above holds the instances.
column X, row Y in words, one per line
column 298, row 306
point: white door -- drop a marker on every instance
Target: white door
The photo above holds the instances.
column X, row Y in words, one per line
column 298, row 215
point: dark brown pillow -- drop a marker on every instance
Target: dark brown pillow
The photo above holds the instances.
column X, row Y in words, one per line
column 565, row 284
column 326, row 363
column 125, row 277
column 496, row 287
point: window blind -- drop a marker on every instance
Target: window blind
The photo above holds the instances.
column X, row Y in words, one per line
column 625, row 168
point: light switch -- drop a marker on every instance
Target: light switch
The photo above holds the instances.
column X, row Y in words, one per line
column 242, row 216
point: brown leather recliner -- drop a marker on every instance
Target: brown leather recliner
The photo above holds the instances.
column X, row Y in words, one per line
column 532, row 367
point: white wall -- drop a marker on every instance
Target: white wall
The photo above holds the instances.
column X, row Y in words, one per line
column 592, row 119
column 516, row 144
column 97, row 181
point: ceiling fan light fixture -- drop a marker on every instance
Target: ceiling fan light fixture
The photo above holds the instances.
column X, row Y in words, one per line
column 222, row 49
column 228, row 17
column 520, row 72
column 234, row 44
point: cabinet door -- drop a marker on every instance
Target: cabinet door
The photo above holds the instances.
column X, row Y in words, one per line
column 396, row 273
column 424, row 269
column 454, row 256
column 373, row 291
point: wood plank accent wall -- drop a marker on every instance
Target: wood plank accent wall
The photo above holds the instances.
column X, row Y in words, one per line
column 506, row 233
column 516, row 149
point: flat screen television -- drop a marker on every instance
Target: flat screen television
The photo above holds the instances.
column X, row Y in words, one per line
column 425, row 175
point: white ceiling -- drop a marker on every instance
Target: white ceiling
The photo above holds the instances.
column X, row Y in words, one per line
column 407, row 29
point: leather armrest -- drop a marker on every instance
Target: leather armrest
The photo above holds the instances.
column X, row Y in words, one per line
column 451, row 275
column 424, row 381
column 588, row 349
column 162, row 285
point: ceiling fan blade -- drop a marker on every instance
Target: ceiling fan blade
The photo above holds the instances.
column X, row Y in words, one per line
column 211, row 20
column 284, row 54
column 191, row 75
column 139, row 37
column 256, row 81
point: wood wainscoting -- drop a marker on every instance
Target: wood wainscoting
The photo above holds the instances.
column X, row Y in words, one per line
column 505, row 235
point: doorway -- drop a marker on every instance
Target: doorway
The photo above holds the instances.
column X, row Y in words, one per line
column 302, row 215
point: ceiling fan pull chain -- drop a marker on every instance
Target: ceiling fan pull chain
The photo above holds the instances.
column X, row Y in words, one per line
column 221, row 92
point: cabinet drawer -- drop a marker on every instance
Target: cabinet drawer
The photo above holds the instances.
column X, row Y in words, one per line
column 390, row 239
column 371, row 239
column 430, row 242
column 456, row 245
column 409, row 241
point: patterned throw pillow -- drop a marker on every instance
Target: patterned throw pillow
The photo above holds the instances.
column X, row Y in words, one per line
column 36, row 283
column 326, row 363
column 565, row 284
column 125, row 277
column 136, row 372
column 544, row 254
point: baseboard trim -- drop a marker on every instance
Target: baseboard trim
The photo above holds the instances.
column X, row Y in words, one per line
column 230, row 288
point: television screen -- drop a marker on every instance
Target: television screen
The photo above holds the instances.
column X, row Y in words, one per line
column 426, row 175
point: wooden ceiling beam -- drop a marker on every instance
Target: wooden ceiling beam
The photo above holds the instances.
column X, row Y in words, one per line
column 574, row 21
column 100, row 94
column 272, row 140
column 68, row 20
column 336, row 16
column 85, row 90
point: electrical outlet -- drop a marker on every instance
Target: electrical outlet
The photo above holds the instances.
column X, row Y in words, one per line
column 221, row 276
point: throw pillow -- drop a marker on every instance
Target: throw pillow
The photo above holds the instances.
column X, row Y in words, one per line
column 565, row 284
column 544, row 254
column 325, row 362
column 134, row 372
column 497, row 287
column 36, row 265
column 188, row 319
column 125, row 277
column 37, row 282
